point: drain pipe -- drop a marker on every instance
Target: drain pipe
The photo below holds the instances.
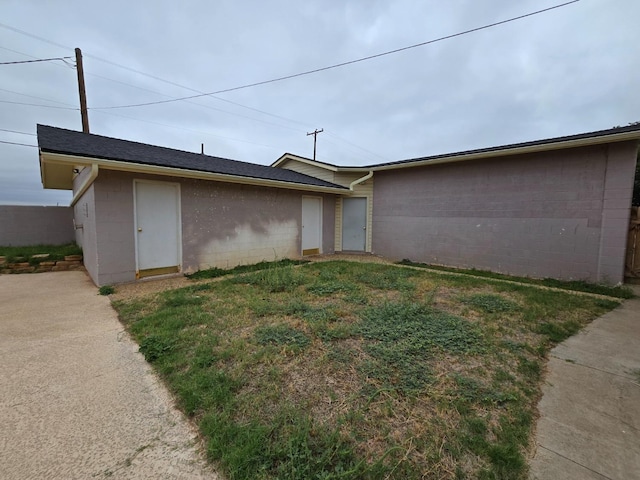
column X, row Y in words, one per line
column 361, row 180
column 87, row 183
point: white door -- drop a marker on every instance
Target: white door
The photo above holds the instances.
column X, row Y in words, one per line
column 311, row 225
column 354, row 224
column 157, row 227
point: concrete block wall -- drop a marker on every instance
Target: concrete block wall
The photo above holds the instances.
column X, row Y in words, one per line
column 223, row 224
column 33, row 225
column 561, row 214
column 84, row 214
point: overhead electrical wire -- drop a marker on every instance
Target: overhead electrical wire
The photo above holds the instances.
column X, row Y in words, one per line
column 16, row 143
column 342, row 64
column 15, row 131
column 38, row 105
column 36, row 60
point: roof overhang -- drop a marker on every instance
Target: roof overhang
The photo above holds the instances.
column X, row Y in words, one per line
column 515, row 150
column 327, row 166
column 56, row 170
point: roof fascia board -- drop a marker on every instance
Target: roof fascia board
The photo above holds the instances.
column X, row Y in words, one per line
column 582, row 142
column 66, row 159
column 288, row 157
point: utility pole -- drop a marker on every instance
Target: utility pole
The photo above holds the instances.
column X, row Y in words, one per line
column 83, row 95
column 315, row 139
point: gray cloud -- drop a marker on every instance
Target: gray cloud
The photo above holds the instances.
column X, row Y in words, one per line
column 567, row 71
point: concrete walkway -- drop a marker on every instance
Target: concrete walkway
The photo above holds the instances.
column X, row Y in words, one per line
column 76, row 399
column 589, row 426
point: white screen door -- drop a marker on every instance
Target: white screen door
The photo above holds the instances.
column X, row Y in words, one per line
column 311, row 225
column 157, row 227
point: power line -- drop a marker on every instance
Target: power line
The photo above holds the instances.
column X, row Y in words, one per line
column 343, row 64
column 36, row 60
column 15, row 131
column 36, row 97
column 199, row 132
column 17, row 30
column 169, row 82
column 38, row 105
column 21, row 144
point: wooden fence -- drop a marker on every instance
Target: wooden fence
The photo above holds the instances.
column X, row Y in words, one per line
column 632, row 264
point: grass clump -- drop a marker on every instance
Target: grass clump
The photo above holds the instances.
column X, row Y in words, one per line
column 281, row 335
column 106, row 290
column 25, row 254
column 221, row 272
column 491, row 303
column 276, row 278
column 424, row 376
column 618, row 291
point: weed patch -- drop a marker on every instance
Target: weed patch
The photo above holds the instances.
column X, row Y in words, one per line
column 575, row 285
column 25, row 254
column 281, row 335
column 221, row 272
column 491, row 303
column 351, row 371
column 273, row 279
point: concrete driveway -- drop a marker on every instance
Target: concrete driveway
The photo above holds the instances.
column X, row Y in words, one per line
column 589, row 426
column 76, row 399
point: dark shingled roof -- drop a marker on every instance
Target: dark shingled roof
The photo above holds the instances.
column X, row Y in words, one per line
column 63, row 141
column 548, row 141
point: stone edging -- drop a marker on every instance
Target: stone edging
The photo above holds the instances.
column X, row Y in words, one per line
column 70, row 262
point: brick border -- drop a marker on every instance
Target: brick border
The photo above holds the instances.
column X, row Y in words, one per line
column 70, row 262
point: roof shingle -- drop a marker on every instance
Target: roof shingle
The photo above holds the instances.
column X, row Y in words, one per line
column 63, row 141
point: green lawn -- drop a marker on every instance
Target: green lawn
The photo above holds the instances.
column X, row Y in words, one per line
column 25, row 254
column 358, row 371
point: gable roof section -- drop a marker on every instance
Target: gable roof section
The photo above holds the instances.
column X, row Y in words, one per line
column 58, row 144
column 611, row 135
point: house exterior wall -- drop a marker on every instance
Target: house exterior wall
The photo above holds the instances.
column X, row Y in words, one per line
column 25, row 225
column 84, row 214
column 223, row 224
column 561, row 214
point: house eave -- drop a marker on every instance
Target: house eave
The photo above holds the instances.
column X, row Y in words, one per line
column 582, row 142
column 57, row 173
column 326, row 166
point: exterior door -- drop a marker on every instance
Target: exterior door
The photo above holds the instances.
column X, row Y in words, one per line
column 311, row 225
column 354, row 224
column 157, row 228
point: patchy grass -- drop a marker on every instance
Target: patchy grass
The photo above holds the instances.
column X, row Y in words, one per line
column 221, row 272
column 106, row 290
column 358, row 371
column 574, row 285
column 25, row 254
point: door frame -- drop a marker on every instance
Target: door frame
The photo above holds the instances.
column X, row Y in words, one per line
column 157, row 271
column 366, row 223
column 312, row 251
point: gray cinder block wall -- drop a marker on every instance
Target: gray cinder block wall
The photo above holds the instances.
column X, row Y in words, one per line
column 561, row 214
column 26, row 225
column 223, row 224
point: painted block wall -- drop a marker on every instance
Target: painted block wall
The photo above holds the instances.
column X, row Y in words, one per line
column 22, row 225
column 84, row 215
column 561, row 214
column 223, row 225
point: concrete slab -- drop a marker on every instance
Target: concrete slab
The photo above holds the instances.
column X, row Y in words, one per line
column 76, row 398
column 589, row 424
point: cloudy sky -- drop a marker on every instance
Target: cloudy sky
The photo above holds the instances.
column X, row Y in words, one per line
column 570, row 70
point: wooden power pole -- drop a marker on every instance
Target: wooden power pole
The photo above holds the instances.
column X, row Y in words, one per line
column 315, row 139
column 83, row 94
